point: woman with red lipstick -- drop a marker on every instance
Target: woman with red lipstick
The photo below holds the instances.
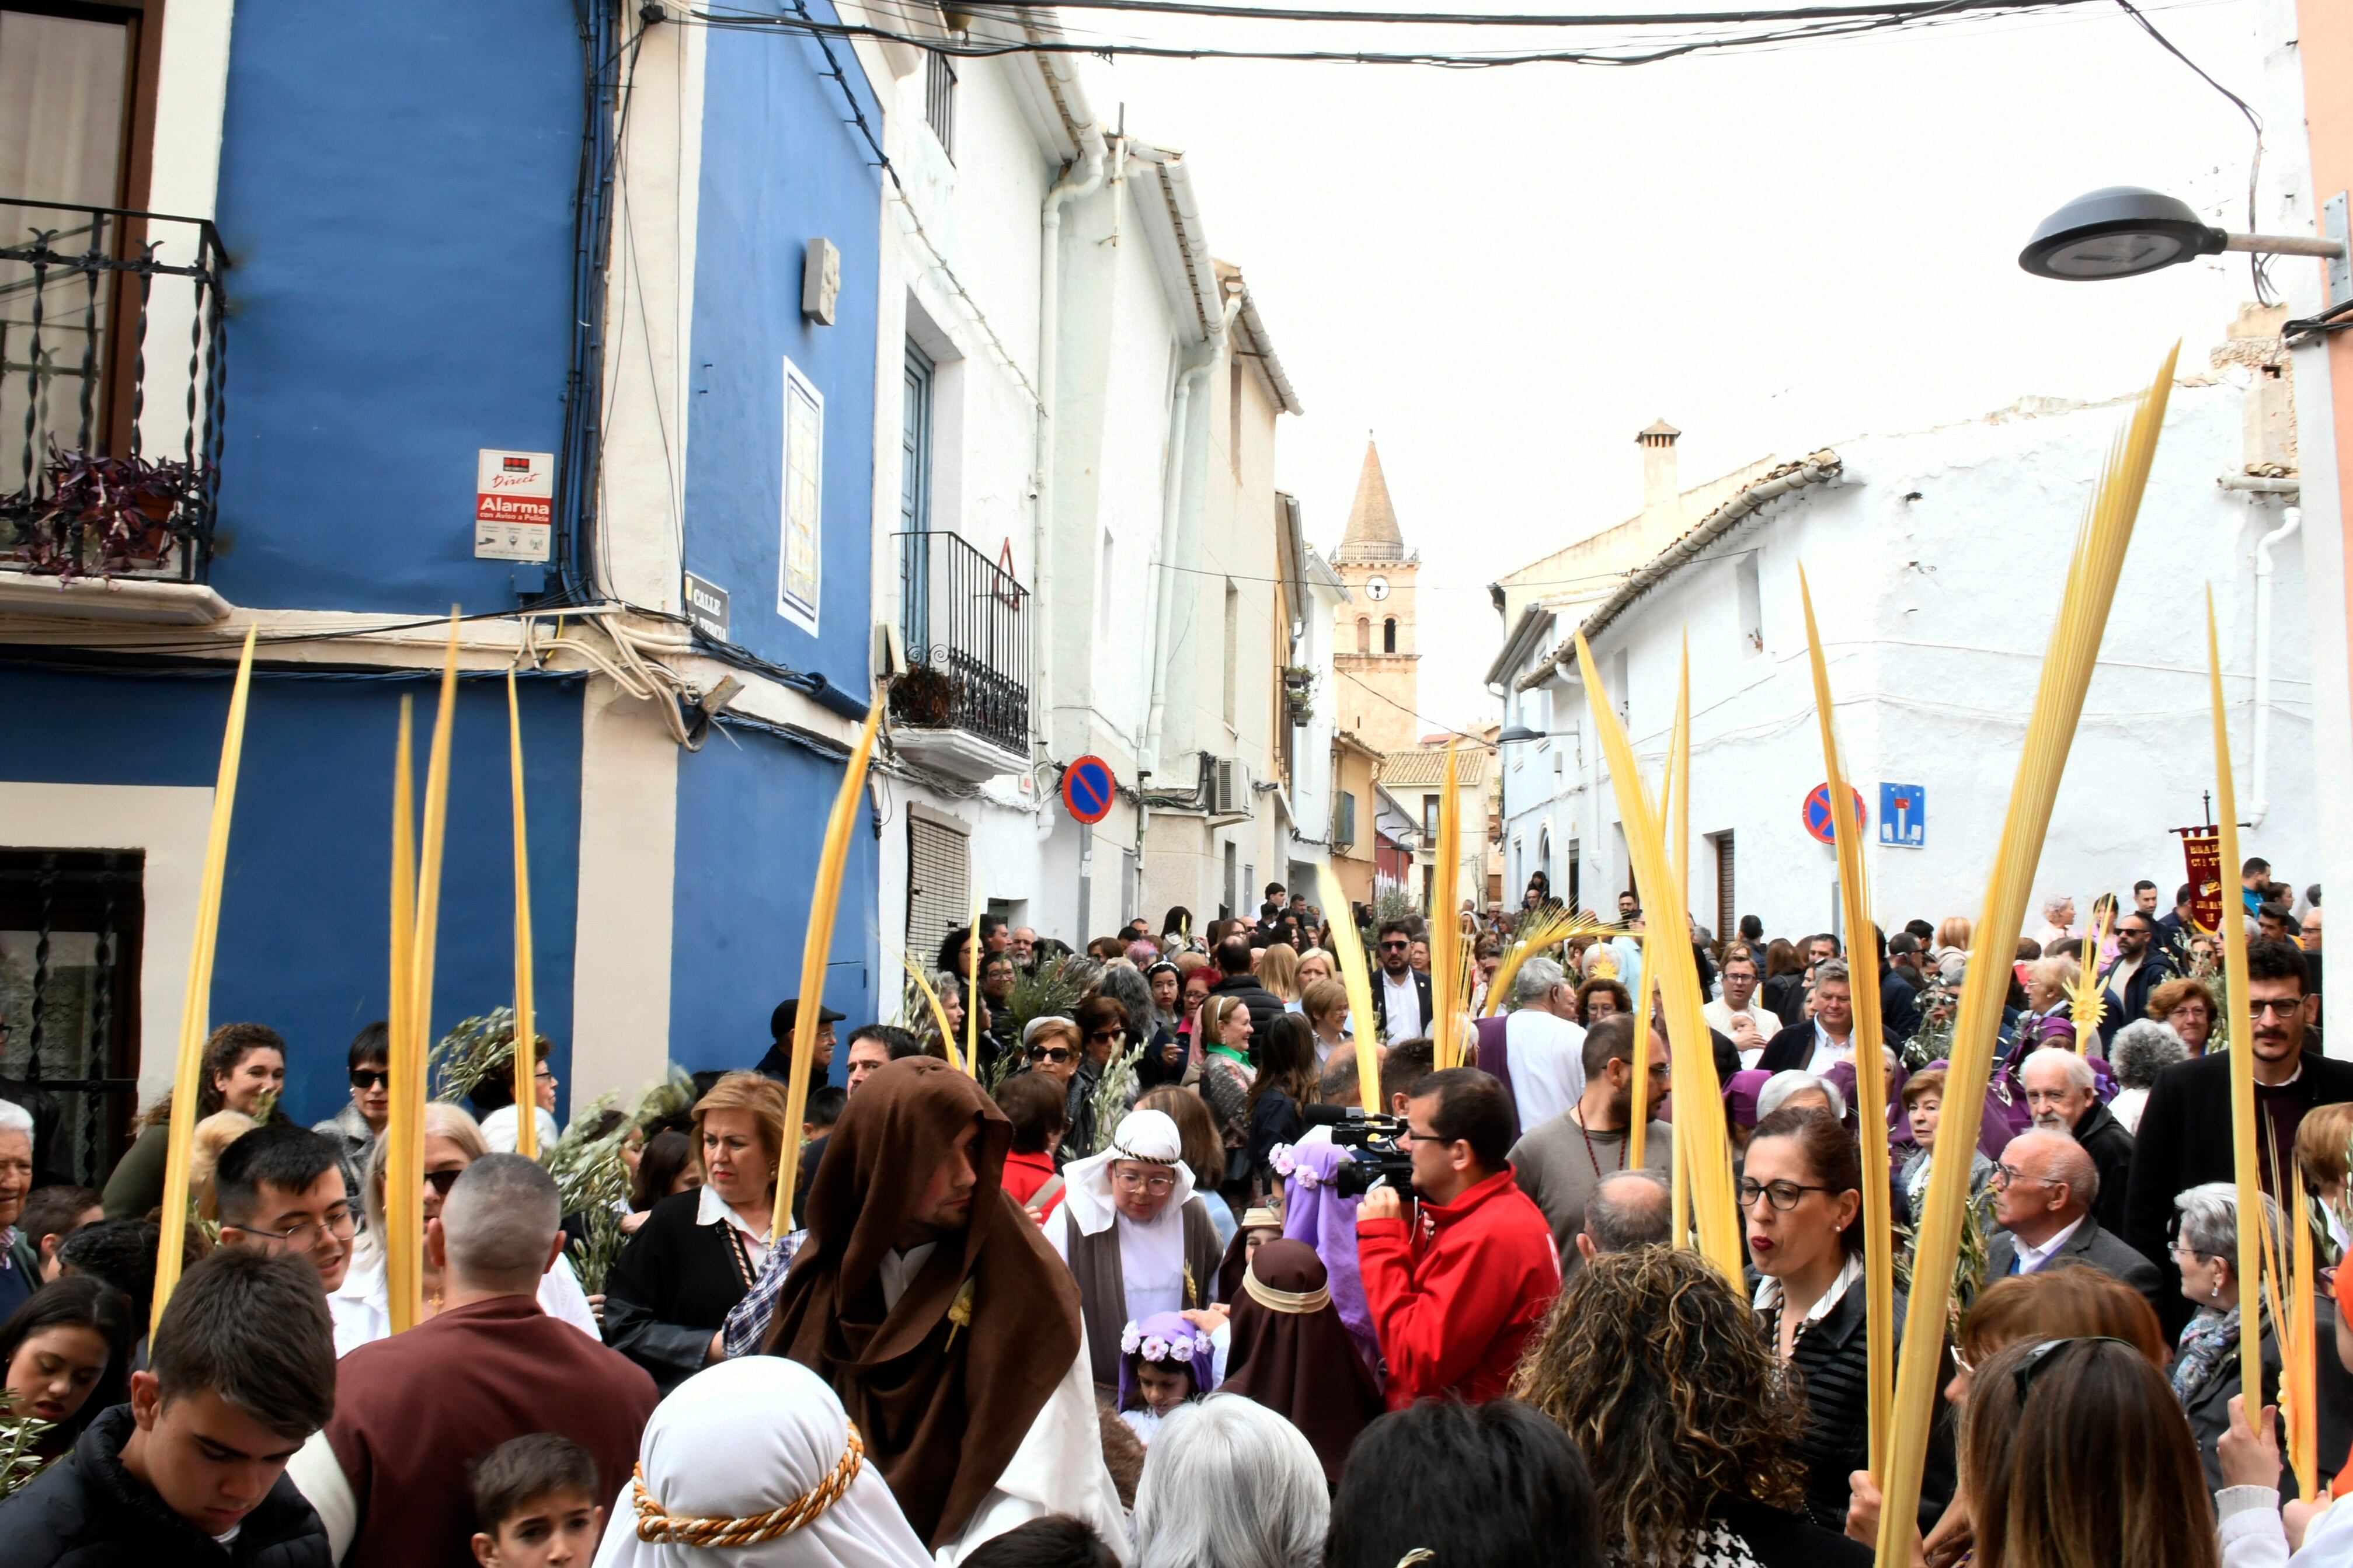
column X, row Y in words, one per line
column 1801, row 1206
column 67, row 1354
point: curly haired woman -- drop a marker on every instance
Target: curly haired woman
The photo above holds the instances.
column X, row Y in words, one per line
column 1659, row 1371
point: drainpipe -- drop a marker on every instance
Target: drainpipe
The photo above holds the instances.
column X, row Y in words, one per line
column 1172, row 512
column 1078, row 181
column 2292, row 519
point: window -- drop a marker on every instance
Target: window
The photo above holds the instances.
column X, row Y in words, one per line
column 1364, row 634
column 1430, row 818
column 1388, row 634
column 1233, row 646
column 1233, row 870
column 916, row 501
column 1752, row 606
column 1573, row 864
column 939, row 99
column 1344, row 828
column 1726, row 921
column 800, row 550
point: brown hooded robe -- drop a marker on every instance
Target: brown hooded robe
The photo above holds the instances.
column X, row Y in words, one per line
column 941, row 1406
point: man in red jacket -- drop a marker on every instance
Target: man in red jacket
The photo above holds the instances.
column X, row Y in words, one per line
column 1456, row 1292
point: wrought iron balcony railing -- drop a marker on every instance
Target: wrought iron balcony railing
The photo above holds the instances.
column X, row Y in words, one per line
column 109, row 449
column 966, row 619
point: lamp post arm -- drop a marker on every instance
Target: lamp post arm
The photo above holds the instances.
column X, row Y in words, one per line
column 2285, row 245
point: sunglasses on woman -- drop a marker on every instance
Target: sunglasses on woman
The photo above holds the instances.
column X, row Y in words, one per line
column 369, row 1077
column 1056, row 1054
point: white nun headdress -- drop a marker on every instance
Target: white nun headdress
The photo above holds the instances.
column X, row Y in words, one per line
column 752, row 1464
column 1149, row 1135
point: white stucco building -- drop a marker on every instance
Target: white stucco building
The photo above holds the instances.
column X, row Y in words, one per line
column 1937, row 561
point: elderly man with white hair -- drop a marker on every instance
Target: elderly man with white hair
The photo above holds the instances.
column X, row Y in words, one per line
column 1229, row 1482
column 1137, row 1237
column 1544, row 1048
column 2058, row 919
column 2043, row 1191
column 2061, row 1093
column 1801, row 1088
column 20, row 1264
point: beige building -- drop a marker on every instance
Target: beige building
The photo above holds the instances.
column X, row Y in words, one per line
column 1379, row 673
column 1214, row 833
column 1416, row 777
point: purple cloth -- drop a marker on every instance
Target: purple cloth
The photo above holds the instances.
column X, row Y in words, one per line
column 1842, row 1075
column 1173, row 1328
column 1314, row 1213
column 1493, row 1058
column 1740, row 1095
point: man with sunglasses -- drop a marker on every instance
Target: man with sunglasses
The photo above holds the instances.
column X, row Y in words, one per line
column 2185, row 1128
column 281, row 1189
column 1401, row 999
column 354, row 1128
column 2043, row 1191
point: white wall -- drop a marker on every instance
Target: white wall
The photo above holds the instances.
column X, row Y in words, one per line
column 1936, row 564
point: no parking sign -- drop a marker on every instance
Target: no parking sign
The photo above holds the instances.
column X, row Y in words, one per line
column 1818, row 812
column 1088, row 789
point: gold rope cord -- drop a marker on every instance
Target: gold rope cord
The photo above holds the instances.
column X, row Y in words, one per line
column 656, row 1524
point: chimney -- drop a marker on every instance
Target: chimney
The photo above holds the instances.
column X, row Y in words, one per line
column 1662, row 520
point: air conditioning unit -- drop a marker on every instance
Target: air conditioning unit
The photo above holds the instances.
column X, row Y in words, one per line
column 1231, row 788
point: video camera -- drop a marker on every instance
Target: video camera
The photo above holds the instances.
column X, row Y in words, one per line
column 1373, row 1152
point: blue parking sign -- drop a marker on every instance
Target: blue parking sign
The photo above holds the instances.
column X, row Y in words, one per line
column 1904, row 815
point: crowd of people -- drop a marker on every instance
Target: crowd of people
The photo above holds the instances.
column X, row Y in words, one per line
column 1118, row 1258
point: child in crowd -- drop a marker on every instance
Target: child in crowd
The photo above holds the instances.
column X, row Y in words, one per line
column 535, row 1499
column 825, row 1108
column 1165, row 1362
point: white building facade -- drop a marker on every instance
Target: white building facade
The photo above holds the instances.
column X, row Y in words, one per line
column 1937, row 562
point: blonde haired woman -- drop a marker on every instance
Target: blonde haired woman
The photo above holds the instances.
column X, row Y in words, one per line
column 1278, row 971
column 700, row 1252
column 361, row 1306
column 1952, row 952
column 1227, row 1078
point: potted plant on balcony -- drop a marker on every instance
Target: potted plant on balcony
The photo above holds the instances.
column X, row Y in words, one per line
column 925, row 697
column 104, row 515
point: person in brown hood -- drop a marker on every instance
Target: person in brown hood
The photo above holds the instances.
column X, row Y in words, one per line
column 930, row 1302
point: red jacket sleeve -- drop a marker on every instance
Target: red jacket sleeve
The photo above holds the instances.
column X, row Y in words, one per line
column 1435, row 1328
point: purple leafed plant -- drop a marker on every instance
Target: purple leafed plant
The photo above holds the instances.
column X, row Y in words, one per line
column 103, row 515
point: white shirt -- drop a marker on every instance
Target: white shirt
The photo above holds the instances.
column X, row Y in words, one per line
column 2031, row 1259
column 898, row 1271
column 1768, row 1293
column 1404, row 1005
column 712, row 1209
column 498, row 1131
column 361, row 1307
column 1547, row 1063
column 1828, row 1054
column 1719, row 1015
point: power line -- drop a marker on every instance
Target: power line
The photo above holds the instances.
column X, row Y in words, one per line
column 1895, row 10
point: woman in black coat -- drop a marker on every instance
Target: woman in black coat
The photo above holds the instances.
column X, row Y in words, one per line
column 698, row 1252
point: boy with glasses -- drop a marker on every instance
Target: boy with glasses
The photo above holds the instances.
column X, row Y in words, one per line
column 281, row 1189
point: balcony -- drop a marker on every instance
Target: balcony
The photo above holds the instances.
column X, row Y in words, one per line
column 962, row 706
column 109, row 441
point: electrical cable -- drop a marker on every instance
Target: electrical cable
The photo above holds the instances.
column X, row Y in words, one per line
column 1902, row 10
column 2256, row 265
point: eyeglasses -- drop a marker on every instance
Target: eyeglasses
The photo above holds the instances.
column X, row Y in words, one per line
column 1135, row 1181
column 1782, row 1195
column 1050, row 1053
column 304, row 1237
column 1111, row 1036
column 442, row 1181
column 542, row 1073
column 2006, row 1173
column 2257, row 1006
column 369, row 1077
column 1394, row 946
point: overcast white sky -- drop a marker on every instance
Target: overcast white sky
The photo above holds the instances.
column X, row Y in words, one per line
column 1504, row 274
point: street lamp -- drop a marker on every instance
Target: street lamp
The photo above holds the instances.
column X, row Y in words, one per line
column 2122, row 231
column 1514, row 734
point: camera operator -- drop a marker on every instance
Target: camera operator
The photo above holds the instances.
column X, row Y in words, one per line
column 1456, row 1291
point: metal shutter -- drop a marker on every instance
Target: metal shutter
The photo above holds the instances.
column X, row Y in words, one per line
column 939, row 887
column 1726, row 920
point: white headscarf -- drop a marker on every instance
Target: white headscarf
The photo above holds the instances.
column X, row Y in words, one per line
column 740, row 1438
column 1149, row 1135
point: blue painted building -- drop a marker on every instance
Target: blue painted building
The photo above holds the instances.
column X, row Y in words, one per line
column 419, row 233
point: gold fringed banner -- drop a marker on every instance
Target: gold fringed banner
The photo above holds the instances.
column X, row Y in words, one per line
column 1446, row 998
column 1698, row 1099
column 404, row 1131
column 2248, row 1266
column 195, row 1004
column 1870, row 1064
column 2090, row 587
column 1358, row 979
column 816, row 948
column 526, row 1036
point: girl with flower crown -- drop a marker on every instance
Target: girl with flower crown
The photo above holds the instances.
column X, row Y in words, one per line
column 1163, row 1362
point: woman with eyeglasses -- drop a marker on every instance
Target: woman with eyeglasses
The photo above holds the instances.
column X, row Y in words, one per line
column 2205, row 1370
column 700, row 1252
column 1102, row 1040
column 361, row 1305
column 354, row 1128
column 494, row 1102
column 1800, row 1198
column 1137, row 1237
